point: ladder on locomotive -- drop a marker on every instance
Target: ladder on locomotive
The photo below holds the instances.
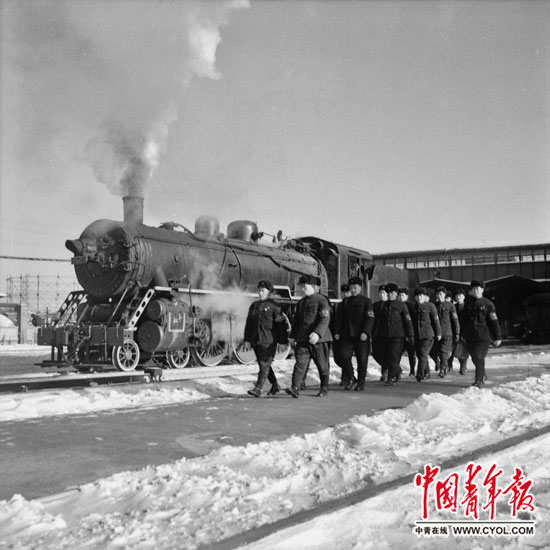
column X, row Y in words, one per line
column 65, row 312
column 137, row 307
column 69, row 306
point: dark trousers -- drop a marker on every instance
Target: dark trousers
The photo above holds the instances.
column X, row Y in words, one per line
column 441, row 352
column 422, row 348
column 377, row 352
column 462, row 359
column 391, row 349
column 264, row 356
column 361, row 350
column 409, row 348
column 337, row 355
column 303, row 354
column 478, row 351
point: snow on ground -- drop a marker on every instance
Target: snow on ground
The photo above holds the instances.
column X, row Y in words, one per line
column 192, row 502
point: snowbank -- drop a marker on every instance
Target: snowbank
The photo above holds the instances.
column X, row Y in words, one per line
column 234, row 489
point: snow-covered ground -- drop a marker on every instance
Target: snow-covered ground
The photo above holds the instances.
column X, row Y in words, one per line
column 193, row 502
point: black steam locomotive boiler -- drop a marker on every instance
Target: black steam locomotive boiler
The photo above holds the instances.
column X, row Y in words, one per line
column 167, row 294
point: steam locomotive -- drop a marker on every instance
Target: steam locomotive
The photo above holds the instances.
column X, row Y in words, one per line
column 168, row 294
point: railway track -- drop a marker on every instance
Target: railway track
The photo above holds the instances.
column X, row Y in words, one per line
column 74, row 379
column 26, row 382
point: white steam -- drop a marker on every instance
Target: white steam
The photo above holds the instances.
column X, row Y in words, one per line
column 103, row 80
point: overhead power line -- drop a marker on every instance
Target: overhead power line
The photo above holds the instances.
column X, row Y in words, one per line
column 34, row 259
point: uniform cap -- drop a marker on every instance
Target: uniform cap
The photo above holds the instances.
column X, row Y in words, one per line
column 420, row 291
column 477, row 283
column 403, row 290
column 382, row 288
column 460, row 291
column 344, row 288
column 441, row 289
column 265, row 284
column 310, row 280
column 355, row 281
column 391, row 287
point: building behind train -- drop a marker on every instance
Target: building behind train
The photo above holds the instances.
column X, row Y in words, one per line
column 517, row 279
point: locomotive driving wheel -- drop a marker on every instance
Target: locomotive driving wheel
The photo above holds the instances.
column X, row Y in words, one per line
column 126, row 357
column 178, row 359
column 208, row 351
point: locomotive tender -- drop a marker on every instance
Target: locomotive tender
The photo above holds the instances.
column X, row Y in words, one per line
column 167, row 293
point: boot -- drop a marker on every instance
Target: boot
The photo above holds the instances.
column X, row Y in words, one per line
column 360, row 386
column 275, row 389
column 303, row 385
column 256, row 392
column 295, row 392
column 324, row 385
column 351, row 383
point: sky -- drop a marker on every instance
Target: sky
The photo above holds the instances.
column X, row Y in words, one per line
column 387, row 126
column 230, row 489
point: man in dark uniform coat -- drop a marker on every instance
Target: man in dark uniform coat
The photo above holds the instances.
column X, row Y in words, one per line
column 353, row 330
column 311, row 335
column 377, row 306
column 263, row 324
column 459, row 349
column 427, row 330
column 403, row 295
column 481, row 326
column 344, row 293
column 450, row 331
column 394, row 329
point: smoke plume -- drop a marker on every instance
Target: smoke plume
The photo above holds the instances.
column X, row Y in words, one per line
column 104, row 79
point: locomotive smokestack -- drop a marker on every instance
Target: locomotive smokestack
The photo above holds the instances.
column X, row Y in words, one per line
column 133, row 209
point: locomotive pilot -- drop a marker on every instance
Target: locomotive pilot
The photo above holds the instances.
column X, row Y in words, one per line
column 344, row 293
column 377, row 307
column 450, row 331
column 353, row 331
column 481, row 326
column 394, row 330
column 427, row 330
column 403, row 295
column 264, row 326
column 311, row 335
